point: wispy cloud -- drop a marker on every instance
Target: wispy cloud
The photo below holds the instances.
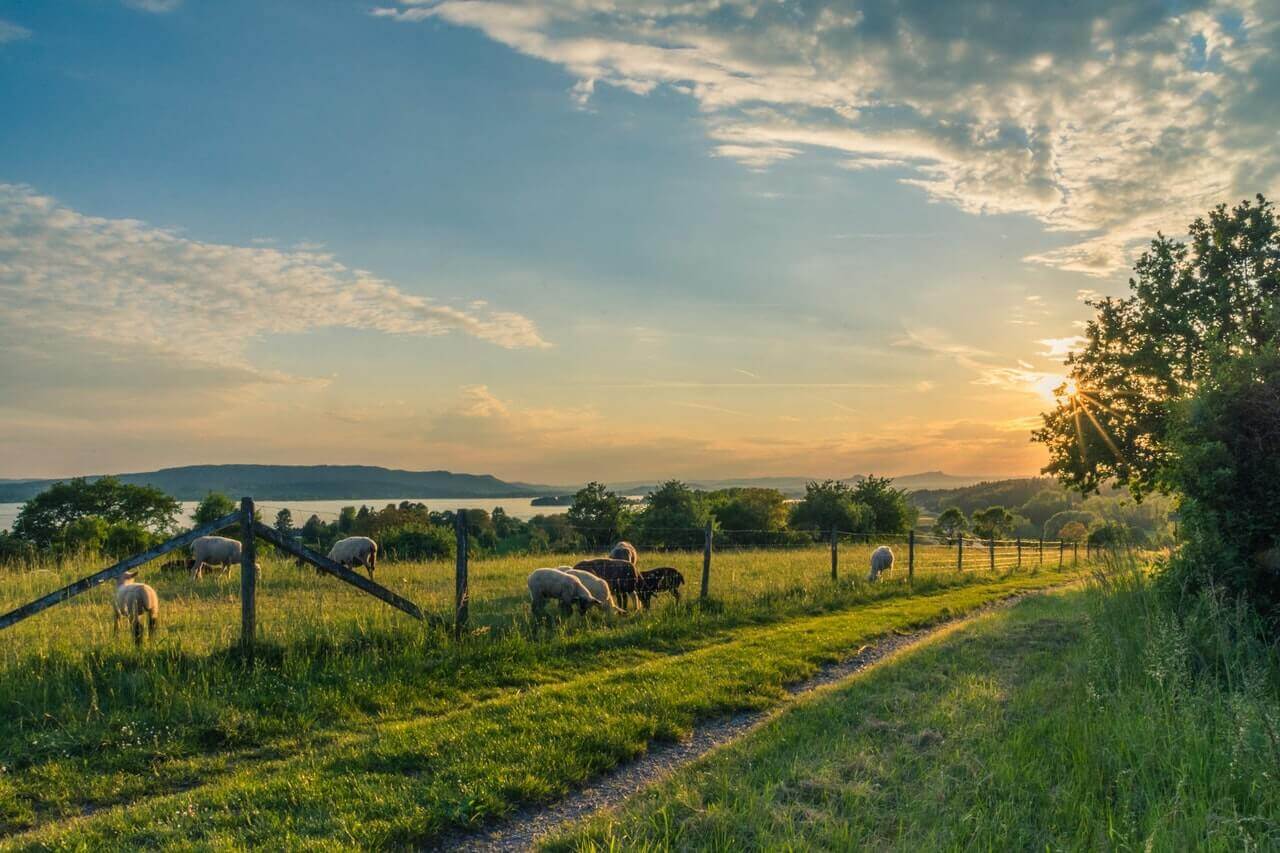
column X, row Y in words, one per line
column 1107, row 120
column 12, row 32
column 156, row 7
column 121, row 283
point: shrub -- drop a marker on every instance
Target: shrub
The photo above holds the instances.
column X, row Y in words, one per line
column 418, row 542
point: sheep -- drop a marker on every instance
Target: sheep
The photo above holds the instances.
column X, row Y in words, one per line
column 545, row 584
column 881, row 561
column 619, row 574
column 131, row 601
column 214, row 551
column 596, row 586
column 654, row 581
column 623, row 550
column 356, row 551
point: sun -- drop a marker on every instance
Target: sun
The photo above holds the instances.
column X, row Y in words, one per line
column 1070, row 388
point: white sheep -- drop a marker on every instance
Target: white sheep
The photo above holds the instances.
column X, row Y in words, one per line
column 546, row 584
column 597, row 586
column 881, row 561
column 214, row 551
column 623, row 550
column 132, row 600
column 356, row 551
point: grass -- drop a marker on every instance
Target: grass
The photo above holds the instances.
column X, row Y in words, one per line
column 361, row 725
column 1081, row 720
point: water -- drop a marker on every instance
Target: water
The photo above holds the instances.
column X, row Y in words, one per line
column 328, row 510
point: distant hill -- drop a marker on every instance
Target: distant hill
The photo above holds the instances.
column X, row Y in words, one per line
column 1010, row 493
column 305, row 482
column 794, row 486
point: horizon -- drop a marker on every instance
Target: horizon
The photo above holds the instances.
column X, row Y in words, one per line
column 571, row 241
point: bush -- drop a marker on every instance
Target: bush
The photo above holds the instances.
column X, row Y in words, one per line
column 418, row 542
column 1226, row 467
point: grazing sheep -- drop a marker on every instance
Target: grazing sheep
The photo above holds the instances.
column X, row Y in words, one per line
column 619, row 574
column 356, row 551
column 623, row 550
column 214, row 551
column 132, row 600
column 546, row 584
column 596, row 586
column 881, row 561
column 661, row 579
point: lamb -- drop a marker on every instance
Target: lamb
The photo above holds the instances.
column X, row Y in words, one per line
column 654, row 581
column 546, row 584
column 132, row 600
column 619, row 574
column 623, row 550
column 356, row 551
column 598, row 588
column 881, row 561
column 214, row 551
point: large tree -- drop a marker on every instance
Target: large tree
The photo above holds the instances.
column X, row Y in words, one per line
column 1193, row 306
column 674, row 516
column 43, row 519
column 891, row 507
column 830, row 505
column 598, row 514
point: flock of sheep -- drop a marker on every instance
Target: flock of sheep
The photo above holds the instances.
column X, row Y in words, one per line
column 602, row 582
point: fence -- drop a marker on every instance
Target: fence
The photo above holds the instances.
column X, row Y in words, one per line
column 726, row 567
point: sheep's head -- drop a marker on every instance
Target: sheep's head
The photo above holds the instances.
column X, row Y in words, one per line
column 126, row 577
column 588, row 602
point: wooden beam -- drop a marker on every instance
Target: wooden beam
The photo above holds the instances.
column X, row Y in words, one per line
column 111, row 572
column 248, row 576
column 339, row 571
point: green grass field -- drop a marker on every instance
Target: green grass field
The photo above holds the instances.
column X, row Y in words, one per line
column 1082, row 720
column 360, row 725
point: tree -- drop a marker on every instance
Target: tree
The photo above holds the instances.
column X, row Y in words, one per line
column 599, row 515
column 951, row 523
column 284, row 522
column 42, row 519
column 315, row 533
column 125, row 538
column 1192, row 308
column 674, row 517
column 1226, row 447
column 1044, row 504
column 1053, row 527
column 751, row 516
column 1073, row 532
column 213, row 507
column 891, row 508
column 994, row 522
column 346, row 519
column 828, row 506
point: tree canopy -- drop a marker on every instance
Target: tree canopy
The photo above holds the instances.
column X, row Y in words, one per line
column 43, row 519
column 1192, row 307
column 598, row 514
column 830, row 505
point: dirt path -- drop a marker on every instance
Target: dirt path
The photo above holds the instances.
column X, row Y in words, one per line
column 523, row 829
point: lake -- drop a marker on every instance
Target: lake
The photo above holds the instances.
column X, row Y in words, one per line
column 328, row 510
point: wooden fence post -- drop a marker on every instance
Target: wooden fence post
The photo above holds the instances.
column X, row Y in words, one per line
column 248, row 576
column 1042, row 549
column 461, row 595
column 706, row 562
column 1019, row 552
column 1062, row 548
column 911, row 559
column 1075, row 555
column 835, row 553
column 960, row 552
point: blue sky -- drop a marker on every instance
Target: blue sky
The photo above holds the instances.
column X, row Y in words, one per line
column 568, row 241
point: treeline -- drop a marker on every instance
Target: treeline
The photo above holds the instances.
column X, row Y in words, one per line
column 1039, row 507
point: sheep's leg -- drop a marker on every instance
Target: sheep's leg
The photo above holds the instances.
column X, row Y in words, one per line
column 151, row 624
column 137, row 629
column 676, row 593
column 115, row 623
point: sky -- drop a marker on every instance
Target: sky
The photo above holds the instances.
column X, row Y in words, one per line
column 580, row 239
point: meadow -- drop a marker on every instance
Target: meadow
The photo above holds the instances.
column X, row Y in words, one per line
column 1090, row 718
column 419, row 732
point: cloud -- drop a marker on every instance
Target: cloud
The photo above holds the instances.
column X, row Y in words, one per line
column 122, row 284
column 12, row 32
column 1061, row 347
column 157, row 7
column 1108, row 121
